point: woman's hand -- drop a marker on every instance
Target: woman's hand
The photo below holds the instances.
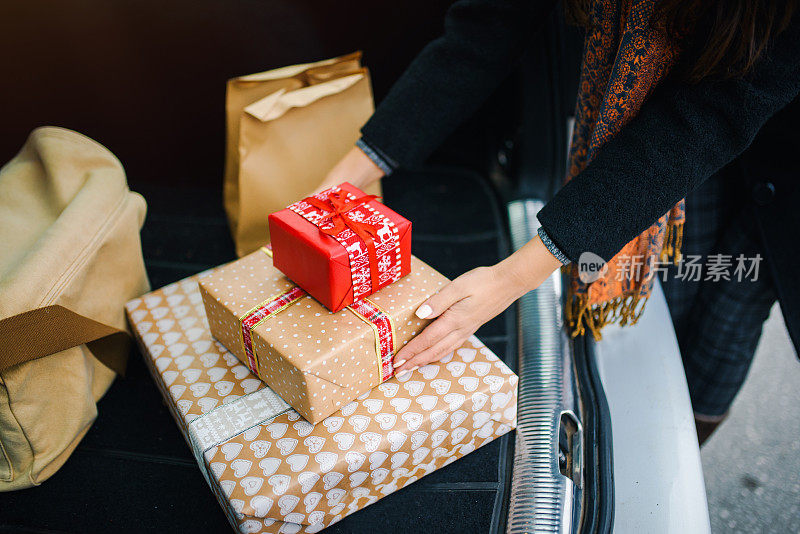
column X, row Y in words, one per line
column 472, row 299
column 355, row 167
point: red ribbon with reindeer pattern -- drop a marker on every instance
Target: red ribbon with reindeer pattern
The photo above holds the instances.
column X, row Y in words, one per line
column 369, row 237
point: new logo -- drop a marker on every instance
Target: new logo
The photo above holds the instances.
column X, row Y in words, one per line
column 591, row 267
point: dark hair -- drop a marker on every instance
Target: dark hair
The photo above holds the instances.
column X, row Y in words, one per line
column 736, row 36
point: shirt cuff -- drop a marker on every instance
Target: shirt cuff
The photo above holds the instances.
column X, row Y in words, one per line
column 384, row 163
column 554, row 250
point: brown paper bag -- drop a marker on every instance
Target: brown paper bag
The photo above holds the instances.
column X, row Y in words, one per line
column 286, row 128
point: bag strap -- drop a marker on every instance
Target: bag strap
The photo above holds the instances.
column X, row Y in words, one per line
column 44, row 331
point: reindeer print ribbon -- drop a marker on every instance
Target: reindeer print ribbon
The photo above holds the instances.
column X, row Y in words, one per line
column 369, row 237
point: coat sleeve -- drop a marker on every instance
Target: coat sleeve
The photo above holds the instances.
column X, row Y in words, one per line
column 682, row 135
column 451, row 77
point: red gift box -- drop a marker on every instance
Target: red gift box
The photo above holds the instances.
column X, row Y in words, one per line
column 341, row 245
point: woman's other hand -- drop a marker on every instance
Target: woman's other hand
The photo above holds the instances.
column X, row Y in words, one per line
column 471, row 300
column 355, row 167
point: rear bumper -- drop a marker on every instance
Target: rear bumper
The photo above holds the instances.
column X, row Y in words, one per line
column 657, row 472
column 646, row 475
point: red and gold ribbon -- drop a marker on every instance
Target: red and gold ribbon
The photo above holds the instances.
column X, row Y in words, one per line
column 260, row 313
column 382, row 326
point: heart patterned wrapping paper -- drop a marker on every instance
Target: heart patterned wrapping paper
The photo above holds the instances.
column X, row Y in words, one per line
column 272, row 471
column 315, row 359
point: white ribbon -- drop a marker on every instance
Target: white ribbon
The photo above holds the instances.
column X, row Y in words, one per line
column 231, row 419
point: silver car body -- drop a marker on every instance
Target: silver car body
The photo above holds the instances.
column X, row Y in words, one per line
column 657, row 475
column 658, row 478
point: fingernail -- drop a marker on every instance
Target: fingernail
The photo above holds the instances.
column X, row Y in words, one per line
column 404, row 373
column 413, row 369
column 424, row 311
column 399, row 363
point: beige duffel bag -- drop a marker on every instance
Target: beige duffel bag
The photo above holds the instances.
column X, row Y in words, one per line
column 70, row 257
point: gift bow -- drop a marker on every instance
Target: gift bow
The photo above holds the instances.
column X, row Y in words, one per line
column 336, row 205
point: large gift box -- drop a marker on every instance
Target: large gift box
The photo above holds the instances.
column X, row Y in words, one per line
column 341, row 245
column 274, row 472
column 315, row 359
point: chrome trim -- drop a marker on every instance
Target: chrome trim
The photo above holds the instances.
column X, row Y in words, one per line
column 542, row 499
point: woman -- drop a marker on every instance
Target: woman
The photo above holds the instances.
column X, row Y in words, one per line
column 672, row 93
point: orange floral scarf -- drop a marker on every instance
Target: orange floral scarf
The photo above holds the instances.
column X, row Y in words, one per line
column 624, row 59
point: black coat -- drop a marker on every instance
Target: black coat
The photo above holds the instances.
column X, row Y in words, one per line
column 682, row 135
column 770, row 171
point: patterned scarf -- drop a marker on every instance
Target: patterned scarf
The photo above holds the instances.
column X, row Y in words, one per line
column 624, row 59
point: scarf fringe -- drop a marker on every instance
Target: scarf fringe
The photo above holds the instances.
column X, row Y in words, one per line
column 623, row 310
column 673, row 242
column 581, row 316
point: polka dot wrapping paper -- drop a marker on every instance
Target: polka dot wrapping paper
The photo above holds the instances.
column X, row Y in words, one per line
column 315, row 359
column 272, row 471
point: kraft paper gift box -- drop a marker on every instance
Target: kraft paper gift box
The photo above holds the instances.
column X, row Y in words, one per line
column 270, row 470
column 316, row 360
column 341, row 245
